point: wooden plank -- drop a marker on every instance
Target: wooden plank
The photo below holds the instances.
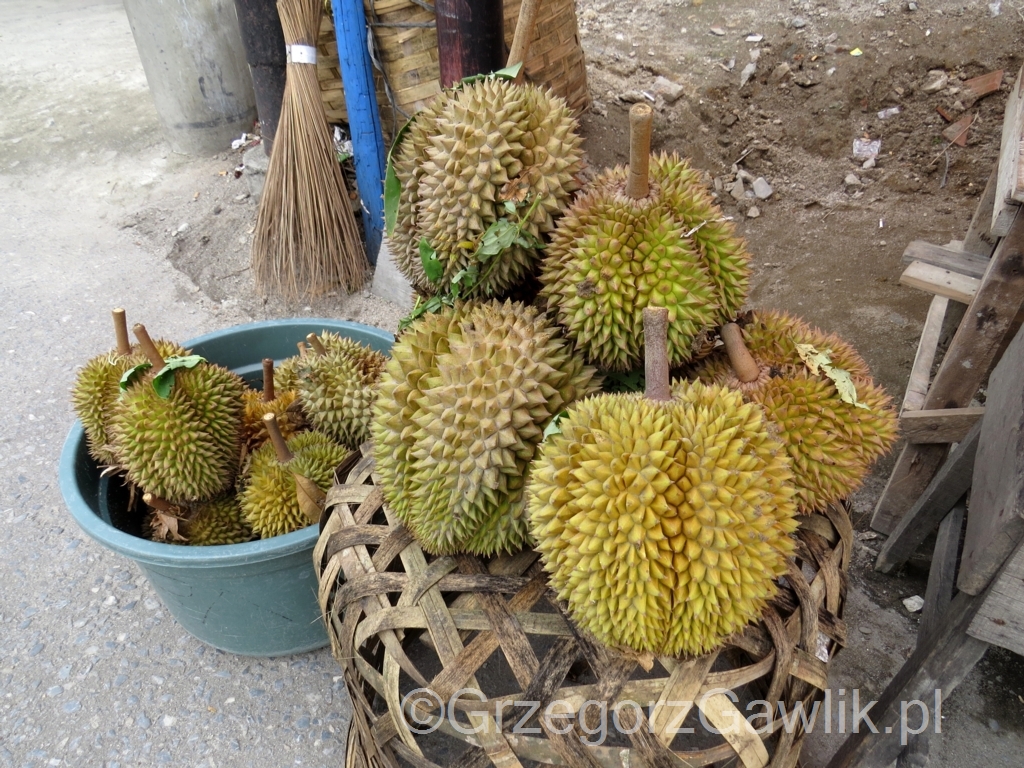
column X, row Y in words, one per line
column 920, row 374
column 945, row 425
column 941, row 282
column 955, row 260
column 1000, row 620
column 942, row 573
column 1007, row 183
column 951, row 483
column 995, row 525
column 979, row 239
column 941, row 662
column 969, row 359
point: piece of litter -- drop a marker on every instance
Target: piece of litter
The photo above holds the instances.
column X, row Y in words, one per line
column 914, row 603
column 864, row 149
column 240, row 141
column 729, row 65
column 888, row 112
column 881, row 225
column 717, row 31
column 856, row 52
column 984, row 85
column 754, row 38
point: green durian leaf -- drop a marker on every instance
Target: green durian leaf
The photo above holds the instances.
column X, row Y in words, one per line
column 163, row 382
column 497, row 238
column 506, row 73
column 624, row 381
column 133, row 373
column 433, row 304
column 392, row 187
column 510, row 207
column 822, row 361
column 554, row 426
column 432, row 268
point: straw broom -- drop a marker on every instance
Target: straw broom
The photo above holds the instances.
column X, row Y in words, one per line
column 306, row 240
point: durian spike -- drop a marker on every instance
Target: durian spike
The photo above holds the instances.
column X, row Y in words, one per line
column 743, row 363
column 641, row 118
column 148, row 347
column 268, row 379
column 520, row 49
column 280, row 446
column 316, row 344
column 163, row 505
column 656, row 354
column 124, row 344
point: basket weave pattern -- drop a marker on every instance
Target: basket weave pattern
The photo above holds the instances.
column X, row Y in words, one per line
column 405, row 42
column 463, row 612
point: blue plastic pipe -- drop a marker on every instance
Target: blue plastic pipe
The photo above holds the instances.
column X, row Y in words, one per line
column 363, row 117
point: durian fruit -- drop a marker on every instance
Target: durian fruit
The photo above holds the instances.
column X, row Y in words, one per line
column 463, row 405
column 183, row 448
column 663, row 518
column 282, row 403
column 97, row 388
column 644, row 235
column 286, row 375
column 338, row 385
column 832, row 442
column 471, row 150
column 216, row 522
column 285, row 476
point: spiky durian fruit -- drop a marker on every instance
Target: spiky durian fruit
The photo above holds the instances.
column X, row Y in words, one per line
column 219, row 521
column 97, row 388
column 462, row 407
column 271, row 501
column 643, row 235
column 663, row 519
column 338, row 385
column 183, row 447
column 831, row 441
column 463, row 157
column 283, row 404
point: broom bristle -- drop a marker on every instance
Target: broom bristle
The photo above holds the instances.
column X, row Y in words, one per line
column 306, row 240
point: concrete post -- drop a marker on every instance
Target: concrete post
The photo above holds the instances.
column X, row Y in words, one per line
column 195, row 65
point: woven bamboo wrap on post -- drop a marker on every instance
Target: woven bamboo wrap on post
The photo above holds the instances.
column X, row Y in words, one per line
column 400, row 620
column 408, row 55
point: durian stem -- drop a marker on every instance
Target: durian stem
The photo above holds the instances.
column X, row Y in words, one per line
column 148, row 347
column 302, row 348
column 641, row 118
column 124, row 344
column 743, row 363
column 280, row 446
column 163, row 505
column 268, row 379
column 656, row 354
column 523, row 37
column 316, row 344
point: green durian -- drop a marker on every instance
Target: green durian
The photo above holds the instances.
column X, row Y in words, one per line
column 621, row 248
column 462, row 407
column 183, row 448
column 663, row 518
column 471, row 150
column 282, row 403
column 832, row 443
column 218, row 521
column 270, row 499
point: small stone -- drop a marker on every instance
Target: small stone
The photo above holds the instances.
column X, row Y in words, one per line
column 831, row 48
column 632, row 97
column 717, row 31
column 869, row 164
column 667, row 89
column 217, row 209
column 779, row 73
column 762, row 189
column 798, row 22
column 914, row 603
column 744, row 175
column 747, row 73
column 183, row 227
column 144, row 722
column 865, row 630
column 729, row 120
column 753, row 212
column 737, row 190
column 911, row 7
column 993, row 725
column 851, row 180
column 935, row 82
column 958, row 105
column 241, row 197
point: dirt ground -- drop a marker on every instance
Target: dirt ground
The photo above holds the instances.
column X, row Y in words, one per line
column 826, row 246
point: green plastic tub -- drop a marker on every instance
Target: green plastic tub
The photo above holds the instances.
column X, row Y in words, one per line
column 255, row 599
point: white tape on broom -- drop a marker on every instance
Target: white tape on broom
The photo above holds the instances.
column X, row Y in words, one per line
column 301, row 54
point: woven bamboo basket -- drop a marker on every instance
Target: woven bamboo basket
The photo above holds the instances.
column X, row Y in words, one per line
column 405, row 41
column 410, row 630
